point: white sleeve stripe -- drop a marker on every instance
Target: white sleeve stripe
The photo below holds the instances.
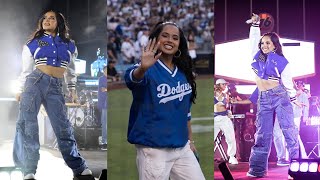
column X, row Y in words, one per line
column 36, row 52
column 276, row 69
column 131, row 77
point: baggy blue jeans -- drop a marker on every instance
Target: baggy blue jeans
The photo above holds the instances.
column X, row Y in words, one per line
column 272, row 101
column 43, row 89
column 104, row 126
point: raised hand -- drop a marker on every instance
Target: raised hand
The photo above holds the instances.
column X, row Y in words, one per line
column 255, row 18
column 149, row 56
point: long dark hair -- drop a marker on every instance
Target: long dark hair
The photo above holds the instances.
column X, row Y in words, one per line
column 184, row 61
column 62, row 29
column 275, row 40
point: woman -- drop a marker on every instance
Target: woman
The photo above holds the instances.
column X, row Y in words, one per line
column 163, row 90
column 102, row 106
column 275, row 91
column 222, row 120
column 45, row 59
column 192, row 46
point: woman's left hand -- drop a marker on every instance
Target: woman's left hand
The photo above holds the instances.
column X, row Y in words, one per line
column 192, row 146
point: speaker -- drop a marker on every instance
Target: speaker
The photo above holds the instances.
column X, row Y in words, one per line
column 225, row 171
column 103, row 175
column 87, row 137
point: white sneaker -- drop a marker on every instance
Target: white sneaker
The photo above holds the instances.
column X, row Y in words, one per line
column 86, row 172
column 29, row 176
column 233, row 160
column 250, row 175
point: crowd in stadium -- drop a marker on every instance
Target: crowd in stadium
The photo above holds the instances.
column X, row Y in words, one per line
column 129, row 23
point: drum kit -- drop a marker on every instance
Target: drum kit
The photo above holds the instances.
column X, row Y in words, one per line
column 82, row 113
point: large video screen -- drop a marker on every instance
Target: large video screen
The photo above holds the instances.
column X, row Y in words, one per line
column 233, row 59
column 80, row 66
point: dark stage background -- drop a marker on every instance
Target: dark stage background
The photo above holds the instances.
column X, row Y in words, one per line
column 230, row 17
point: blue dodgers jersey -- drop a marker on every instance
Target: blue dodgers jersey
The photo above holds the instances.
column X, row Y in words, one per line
column 51, row 50
column 161, row 107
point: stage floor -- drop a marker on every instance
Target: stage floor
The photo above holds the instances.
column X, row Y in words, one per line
column 51, row 166
column 239, row 171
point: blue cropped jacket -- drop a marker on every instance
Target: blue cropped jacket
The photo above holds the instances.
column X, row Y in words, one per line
column 49, row 50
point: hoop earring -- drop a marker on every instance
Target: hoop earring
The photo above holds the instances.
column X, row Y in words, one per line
column 275, row 49
column 177, row 55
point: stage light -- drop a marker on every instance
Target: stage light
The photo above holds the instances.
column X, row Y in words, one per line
column 294, row 166
column 305, row 169
column 4, row 176
column 14, row 86
column 10, row 173
column 313, row 167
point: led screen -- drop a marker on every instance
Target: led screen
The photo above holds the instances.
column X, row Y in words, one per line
column 232, row 59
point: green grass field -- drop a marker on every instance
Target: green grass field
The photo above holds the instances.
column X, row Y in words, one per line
column 121, row 154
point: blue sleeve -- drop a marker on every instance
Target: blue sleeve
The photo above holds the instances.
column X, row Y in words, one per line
column 254, row 96
column 131, row 81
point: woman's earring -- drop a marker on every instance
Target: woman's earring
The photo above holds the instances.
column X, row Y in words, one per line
column 275, row 49
column 58, row 32
column 178, row 55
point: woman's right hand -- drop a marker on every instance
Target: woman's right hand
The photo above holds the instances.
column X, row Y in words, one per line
column 148, row 57
column 255, row 18
column 17, row 96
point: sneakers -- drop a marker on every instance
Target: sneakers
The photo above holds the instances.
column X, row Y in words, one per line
column 29, row 177
column 104, row 147
column 250, row 175
column 85, row 175
column 283, row 162
column 233, row 160
column 254, row 176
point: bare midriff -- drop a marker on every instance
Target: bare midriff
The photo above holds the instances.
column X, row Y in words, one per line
column 57, row 72
column 219, row 107
column 264, row 85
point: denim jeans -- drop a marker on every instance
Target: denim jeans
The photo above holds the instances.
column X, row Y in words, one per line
column 278, row 140
column 104, row 126
column 43, row 89
column 272, row 101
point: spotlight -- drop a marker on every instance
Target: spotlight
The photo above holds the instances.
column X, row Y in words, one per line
column 305, row 169
column 10, row 173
